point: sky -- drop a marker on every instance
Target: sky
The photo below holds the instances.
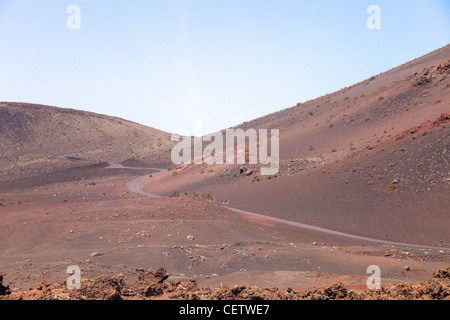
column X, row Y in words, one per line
column 204, row 65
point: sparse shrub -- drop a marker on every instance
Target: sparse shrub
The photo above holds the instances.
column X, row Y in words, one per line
column 419, row 164
column 175, row 194
column 209, row 196
column 311, row 148
column 326, row 171
column 174, row 173
column 437, row 101
column 430, row 180
column 256, row 178
column 371, row 182
column 210, row 170
column 391, row 187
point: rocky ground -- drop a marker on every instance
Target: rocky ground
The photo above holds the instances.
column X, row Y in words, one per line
column 155, row 286
column 369, row 162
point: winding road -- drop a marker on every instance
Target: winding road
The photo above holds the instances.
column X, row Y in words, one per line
column 135, row 187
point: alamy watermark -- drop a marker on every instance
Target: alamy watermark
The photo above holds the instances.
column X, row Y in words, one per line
column 74, row 280
column 374, row 20
column 73, row 22
column 236, row 142
column 374, row 281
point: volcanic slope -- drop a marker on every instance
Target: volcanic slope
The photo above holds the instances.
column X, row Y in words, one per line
column 369, row 160
column 40, row 143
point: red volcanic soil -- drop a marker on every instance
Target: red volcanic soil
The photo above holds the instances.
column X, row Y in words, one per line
column 369, row 162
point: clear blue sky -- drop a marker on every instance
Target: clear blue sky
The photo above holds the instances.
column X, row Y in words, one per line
column 171, row 63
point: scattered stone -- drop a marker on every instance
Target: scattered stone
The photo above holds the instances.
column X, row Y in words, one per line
column 249, row 172
column 96, row 254
column 190, row 238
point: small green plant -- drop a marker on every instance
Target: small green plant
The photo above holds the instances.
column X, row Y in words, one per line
column 256, row 178
column 371, row 182
column 391, row 187
column 209, row 196
column 326, row 171
column 174, row 173
column 430, row 180
column 210, row 170
column 175, row 194
column 437, row 101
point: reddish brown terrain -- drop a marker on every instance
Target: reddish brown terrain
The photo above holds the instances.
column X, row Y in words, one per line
column 364, row 180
